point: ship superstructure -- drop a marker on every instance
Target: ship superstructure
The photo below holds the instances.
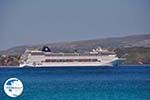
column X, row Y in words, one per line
column 47, row 58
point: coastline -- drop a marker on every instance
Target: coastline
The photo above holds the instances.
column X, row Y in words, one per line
column 122, row 65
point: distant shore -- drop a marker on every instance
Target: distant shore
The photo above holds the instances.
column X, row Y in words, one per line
column 134, row 56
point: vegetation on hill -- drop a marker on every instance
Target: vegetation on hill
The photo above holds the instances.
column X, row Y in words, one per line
column 85, row 45
column 135, row 55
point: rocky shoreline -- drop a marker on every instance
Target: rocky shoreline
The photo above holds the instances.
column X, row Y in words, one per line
column 9, row 60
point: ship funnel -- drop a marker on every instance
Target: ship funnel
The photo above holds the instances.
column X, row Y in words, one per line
column 46, row 49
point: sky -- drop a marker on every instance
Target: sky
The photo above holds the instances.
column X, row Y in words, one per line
column 28, row 22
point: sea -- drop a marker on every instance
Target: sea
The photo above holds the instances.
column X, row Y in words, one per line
column 80, row 83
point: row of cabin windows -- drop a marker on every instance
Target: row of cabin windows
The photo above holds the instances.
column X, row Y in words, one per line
column 71, row 60
column 71, row 54
column 37, row 54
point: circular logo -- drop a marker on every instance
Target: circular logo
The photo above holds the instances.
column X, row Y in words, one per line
column 13, row 87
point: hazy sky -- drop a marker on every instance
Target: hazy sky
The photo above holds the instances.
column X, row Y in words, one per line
column 43, row 21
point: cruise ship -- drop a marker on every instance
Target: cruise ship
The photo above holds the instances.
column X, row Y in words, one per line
column 47, row 58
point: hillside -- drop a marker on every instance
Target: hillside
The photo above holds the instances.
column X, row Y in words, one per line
column 118, row 42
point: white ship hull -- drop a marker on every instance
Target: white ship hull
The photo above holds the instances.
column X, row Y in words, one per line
column 65, row 65
column 71, row 64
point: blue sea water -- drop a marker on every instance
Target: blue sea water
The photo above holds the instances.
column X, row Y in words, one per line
column 80, row 83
